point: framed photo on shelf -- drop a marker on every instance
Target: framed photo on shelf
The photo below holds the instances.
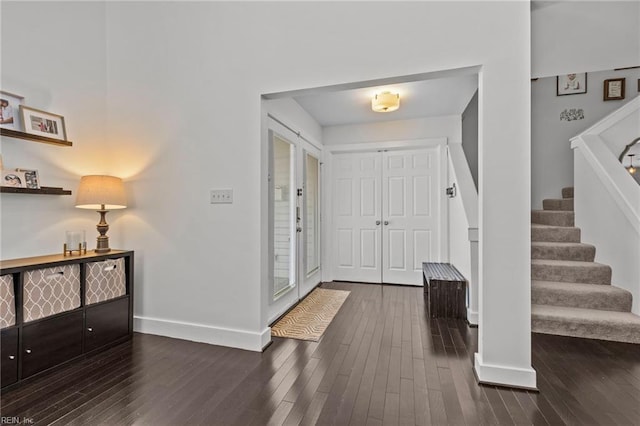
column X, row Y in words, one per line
column 9, row 103
column 571, row 84
column 31, row 178
column 13, row 179
column 42, row 123
column 614, row 89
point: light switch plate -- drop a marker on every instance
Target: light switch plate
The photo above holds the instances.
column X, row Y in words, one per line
column 221, row 196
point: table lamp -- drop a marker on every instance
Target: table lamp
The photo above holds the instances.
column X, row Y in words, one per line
column 101, row 193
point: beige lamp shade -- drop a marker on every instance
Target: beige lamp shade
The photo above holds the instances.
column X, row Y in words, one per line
column 96, row 191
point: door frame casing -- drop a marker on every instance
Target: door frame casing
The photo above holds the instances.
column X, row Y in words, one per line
column 327, row 205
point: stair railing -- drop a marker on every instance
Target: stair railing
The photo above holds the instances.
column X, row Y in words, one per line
column 606, row 200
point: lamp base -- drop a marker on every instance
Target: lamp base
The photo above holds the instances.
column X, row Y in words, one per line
column 103, row 241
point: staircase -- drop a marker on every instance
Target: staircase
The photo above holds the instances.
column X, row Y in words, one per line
column 572, row 295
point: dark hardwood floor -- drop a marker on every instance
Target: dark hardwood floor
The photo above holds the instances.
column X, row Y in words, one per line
column 381, row 361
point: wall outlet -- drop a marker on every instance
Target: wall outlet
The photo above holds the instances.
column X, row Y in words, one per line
column 221, row 196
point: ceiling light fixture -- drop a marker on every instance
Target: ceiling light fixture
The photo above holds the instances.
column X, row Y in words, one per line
column 385, row 102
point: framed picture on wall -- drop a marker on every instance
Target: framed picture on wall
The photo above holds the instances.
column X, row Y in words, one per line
column 31, row 179
column 13, row 179
column 43, row 123
column 614, row 89
column 571, row 84
column 9, row 103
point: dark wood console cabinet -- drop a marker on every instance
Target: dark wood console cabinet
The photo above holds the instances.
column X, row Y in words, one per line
column 29, row 348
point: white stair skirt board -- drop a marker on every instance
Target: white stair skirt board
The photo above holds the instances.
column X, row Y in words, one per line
column 500, row 375
column 233, row 338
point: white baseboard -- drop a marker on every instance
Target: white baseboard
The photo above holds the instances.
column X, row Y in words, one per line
column 500, row 375
column 241, row 339
column 472, row 317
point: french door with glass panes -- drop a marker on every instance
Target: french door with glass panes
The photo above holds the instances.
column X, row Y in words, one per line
column 387, row 214
column 294, row 219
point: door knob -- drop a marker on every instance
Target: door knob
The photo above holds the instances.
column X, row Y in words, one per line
column 378, row 222
column 89, row 329
column 386, row 222
column 12, row 357
column 28, row 351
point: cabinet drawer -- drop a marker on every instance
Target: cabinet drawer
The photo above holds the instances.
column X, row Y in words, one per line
column 50, row 291
column 105, row 323
column 9, row 356
column 105, row 280
column 50, row 342
column 7, row 302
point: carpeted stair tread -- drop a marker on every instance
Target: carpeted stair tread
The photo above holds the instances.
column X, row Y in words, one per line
column 589, row 296
column 553, row 217
column 561, row 204
column 550, row 233
column 570, row 271
column 567, row 192
column 585, row 323
column 563, row 251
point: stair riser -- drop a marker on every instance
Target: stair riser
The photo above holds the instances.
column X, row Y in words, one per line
column 572, row 274
column 554, row 218
column 559, row 205
column 567, row 192
column 610, row 302
column 567, row 235
column 602, row 331
column 582, row 253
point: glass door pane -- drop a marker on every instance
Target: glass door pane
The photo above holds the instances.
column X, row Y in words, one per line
column 312, row 213
column 284, row 220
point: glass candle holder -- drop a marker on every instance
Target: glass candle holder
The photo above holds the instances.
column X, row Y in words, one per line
column 76, row 241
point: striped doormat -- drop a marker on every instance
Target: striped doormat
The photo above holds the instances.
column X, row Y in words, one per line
column 312, row 316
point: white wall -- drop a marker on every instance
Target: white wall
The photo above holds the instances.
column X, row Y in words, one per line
column 584, row 36
column 394, row 130
column 45, row 60
column 551, row 156
column 183, row 111
column 463, row 226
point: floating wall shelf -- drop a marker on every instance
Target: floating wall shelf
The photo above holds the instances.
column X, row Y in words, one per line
column 34, row 138
column 44, row 190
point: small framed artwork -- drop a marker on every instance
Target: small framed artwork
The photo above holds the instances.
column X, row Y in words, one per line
column 43, row 123
column 31, row 179
column 614, row 89
column 13, row 178
column 571, row 84
column 9, row 103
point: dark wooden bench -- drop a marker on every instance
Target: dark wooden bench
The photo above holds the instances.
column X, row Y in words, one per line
column 445, row 290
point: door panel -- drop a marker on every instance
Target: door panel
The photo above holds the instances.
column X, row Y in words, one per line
column 357, row 209
column 410, row 182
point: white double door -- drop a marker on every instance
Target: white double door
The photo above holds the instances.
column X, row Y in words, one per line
column 387, row 215
column 294, row 218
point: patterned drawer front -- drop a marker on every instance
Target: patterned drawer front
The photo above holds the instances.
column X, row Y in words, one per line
column 7, row 302
column 50, row 291
column 105, row 280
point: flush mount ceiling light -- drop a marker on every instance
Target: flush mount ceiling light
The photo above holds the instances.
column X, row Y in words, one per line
column 385, row 102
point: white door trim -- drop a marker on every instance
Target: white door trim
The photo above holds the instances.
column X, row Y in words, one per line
column 327, row 205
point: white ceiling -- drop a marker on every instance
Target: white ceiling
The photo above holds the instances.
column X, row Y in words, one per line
column 425, row 98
